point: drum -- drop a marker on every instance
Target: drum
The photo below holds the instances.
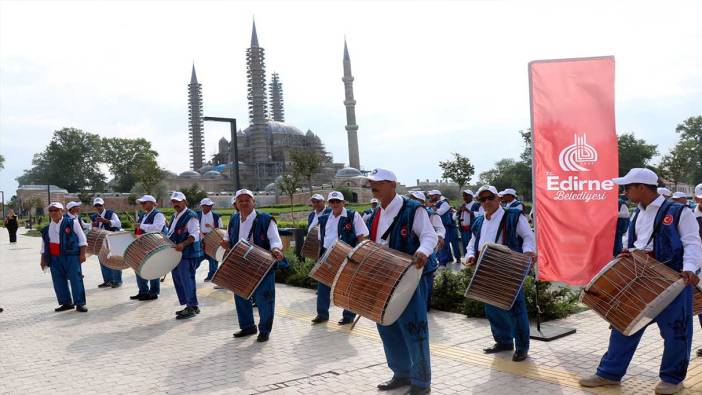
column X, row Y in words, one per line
column 212, row 244
column 696, row 301
column 113, row 250
column 499, row 276
column 325, row 269
column 96, row 239
column 152, row 255
column 376, row 282
column 243, row 268
column 312, row 245
column 629, row 292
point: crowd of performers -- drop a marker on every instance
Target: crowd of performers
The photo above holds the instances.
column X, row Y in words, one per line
column 424, row 226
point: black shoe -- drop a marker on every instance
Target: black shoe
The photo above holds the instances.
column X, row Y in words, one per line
column 188, row 312
column 246, row 332
column 148, row 297
column 137, row 297
column 498, row 348
column 344, row 321
column 81, row 309
column 319, row 320
column 519, row 356
column 116, row 285
column 106, row 284
column 699, row 352
column 208, row 279
column 179, row 312
column 394, row 383
column 64, row 307
column 263, row 337
column 196, row 309
column 414, row 390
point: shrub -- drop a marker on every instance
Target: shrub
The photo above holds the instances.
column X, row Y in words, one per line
column 298, row 272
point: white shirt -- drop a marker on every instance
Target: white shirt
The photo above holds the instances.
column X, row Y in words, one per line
column 698, row 211
column 421, row 226
column 245, row 229
column 687, row 227
column 438, row 226
column 55, row 228
column 488, row 233
column 331, row 230
column 623, row 211
column 114, row 221
column 82, row 224
column 465, row 214
column 208, row 219
column 315, row 220
column 193, row 226
column 159, row 223
column 445, row 207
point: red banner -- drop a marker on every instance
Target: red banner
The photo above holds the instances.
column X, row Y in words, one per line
column 575, row 158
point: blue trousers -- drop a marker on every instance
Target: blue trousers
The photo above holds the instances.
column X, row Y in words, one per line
column 63, row 270
column 213, row 266
column 406, row 341
column 445, row 256
column 465, row 239
column 428, row 278
column 510, row 327
column 454, row 243
column 675, row 326
column 148, row 287
column 264, row 296
column 324, row 300
column 184, row 281
column 111, row 275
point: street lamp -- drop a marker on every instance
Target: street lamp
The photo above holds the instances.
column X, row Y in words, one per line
column 233, row 149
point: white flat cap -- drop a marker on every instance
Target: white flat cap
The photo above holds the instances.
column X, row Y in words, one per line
column 382, row 175
column 487, row 188
column 638, row 175
column 317, row 196
column 57, row 205
column 177, row 196
column 243, row 192
column 419, row 195
column 509, row 191
column 698, row 191
column 468, row 192
column 146, row 198
column 434, row 192
column 99, row 201
column 335, row 195
column 206, row 202
column 70, row 205
column 665, row 191
column 374, row 200
column 679, row 195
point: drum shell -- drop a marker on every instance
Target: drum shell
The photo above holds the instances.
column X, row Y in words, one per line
column 96, row 239
column 312, row 245
column 326, row 268
column 152, row 255
column 243, row 268
column 113, row 250
column 212, row 243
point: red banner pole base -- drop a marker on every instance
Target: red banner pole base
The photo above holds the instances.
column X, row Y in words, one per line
column 549, row 332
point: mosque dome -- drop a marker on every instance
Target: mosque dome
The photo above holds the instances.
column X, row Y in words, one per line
column 224, row 167
column 275, row 127
column 270, row 187
column 205, row 169
column 212, row 174
column 190, row 174
column 348, row 172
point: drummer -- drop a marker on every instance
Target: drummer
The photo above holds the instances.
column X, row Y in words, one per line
column 667, row 231
column 185, row 233
column 665, row 192
column 63, row 250
column 107, row 220
column 465, row 218
column 367, row 213
column 209, row 221
column 698, row 217
column 442, row 207
column 509, row 199
column 73, row 211
column 261, row 229
column 510, row 328
column 150, row 220
column 318, row 209
column 347, row 226
column 403, row 225
column 433, row 262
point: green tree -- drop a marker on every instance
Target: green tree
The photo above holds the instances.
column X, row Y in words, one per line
column 305, row 164
column 194, row 194
column 70, row 161
column 460, row 170
column 510, row 173
column 691, row 137
column 125, row 159
column 288, row 185
column 149, row 175
column 676, row 166
column 634, row 152
column 2, row 162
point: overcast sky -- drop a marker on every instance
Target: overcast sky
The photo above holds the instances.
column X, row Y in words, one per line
column 431, row 77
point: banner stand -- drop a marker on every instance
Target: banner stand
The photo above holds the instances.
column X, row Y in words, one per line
column 546, row 332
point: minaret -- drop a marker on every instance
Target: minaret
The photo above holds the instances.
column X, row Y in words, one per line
column 350, row 103
column 276, row 94
column 258, row 109
column 197, row 140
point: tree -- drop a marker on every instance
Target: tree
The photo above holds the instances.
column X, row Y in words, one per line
column 634, row 152
column 509, row 173
column 125, row 158
column 70, row 161
column 149, row 175
column 691, row 136
column 460, row 170
column 305, row 164
column 676, row 166
column 194, row 194
column 288, row 185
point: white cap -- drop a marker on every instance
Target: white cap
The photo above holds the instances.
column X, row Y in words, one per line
column 488, row 188
column 664, row 191
column 206, row 202
column 335, row 195
column 419, row 195
column 243, row 192
column 638, row 175
column 698, row 191
column 509, row 191
column 97, row 201
column 70, row 205
column 679, row 195
column 382, row 175
column 317, row 196
column 434, row 192
column 56, row 205
column 468, row 192
column 177, row 196
column 146, row 198
column 374, row 200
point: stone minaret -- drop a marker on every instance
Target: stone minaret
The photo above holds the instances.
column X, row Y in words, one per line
column 197, row 139
column 258, row 109
column 276, row 94
column 350, row 103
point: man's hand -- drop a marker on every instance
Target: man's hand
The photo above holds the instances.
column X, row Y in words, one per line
column 690, row 278
column 225, row 244
column 533, row 256
column 208, row 226
column 81, row 257
column 420, row 259
column 440, row 244
column 179, row 247
column 470, row 261
column 42, row 265
column 103, row 220
column 277, row 254
column 625, row 253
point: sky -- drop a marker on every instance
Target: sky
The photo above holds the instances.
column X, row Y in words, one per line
column 431, row 78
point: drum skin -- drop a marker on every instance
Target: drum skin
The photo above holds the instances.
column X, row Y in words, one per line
column 152, row 255
column 114, row 247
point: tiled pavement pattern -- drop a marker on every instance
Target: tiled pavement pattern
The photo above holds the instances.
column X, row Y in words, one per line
column 122, row 346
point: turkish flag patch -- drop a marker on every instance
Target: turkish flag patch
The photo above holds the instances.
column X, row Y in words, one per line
column 403, row 232
column 668, row 219
column 67, row 230
column 347, row 227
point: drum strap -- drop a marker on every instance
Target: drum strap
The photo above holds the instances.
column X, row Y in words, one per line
column 501, row 229
column 656, row 225
column 394, row 221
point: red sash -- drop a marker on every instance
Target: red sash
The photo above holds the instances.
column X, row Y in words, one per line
column 54, row 249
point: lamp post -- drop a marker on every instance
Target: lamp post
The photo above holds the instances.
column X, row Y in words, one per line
column 233, row 149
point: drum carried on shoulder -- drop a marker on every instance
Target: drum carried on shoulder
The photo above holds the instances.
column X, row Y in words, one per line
column 328, row 265
column 243, row 268
column 152, row 255
column 212, row 243
column 96, row 239
column 113, row 250
column 312, row 245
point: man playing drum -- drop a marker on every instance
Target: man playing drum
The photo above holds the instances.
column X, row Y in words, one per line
column 509, row 199
column 465, row 217
column 667, row 231
column 510, row 328
column 340, row 224
column 150, row 220
column 209, row 221
column 442, row 208
column 73, row 211
column 433, row 262
column 107, row 220
column 318, row 209
column 403, row 225
column 369, row 211
column 261, row 229
column 185, row 233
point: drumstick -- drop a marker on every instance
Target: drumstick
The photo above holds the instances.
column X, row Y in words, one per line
column 164, row 277
column 353, row 324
